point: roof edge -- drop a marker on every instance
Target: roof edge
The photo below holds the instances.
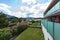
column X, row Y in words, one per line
column 53, row 2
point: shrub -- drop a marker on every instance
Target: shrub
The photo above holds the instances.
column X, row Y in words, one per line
column 14, row 31
column 22, row 27
column 7, row 35
column 33, row 21
column 1, row 35
column 4, row 34
column 17, row 30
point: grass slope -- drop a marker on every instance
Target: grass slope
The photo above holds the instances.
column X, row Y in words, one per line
column 31, row 34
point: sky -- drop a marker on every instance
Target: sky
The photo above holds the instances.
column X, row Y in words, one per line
column 24, row 8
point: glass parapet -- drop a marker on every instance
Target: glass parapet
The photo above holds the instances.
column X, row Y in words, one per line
column 50, row 28
column 57, row 31
column 48, row 25
column 46, row 22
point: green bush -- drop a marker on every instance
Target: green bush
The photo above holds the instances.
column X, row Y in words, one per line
column 21, row 27
column 4, row 34
column 7, row 33
column 14, row 31
column 17, row 30
column 33, row 21
column 1, row 36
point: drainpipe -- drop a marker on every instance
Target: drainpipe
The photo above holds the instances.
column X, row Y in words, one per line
column 53, row 31
column 47, row 25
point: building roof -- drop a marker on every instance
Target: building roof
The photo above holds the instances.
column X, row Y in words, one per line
column 53, row 2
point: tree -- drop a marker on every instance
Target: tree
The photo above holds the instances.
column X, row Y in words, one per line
column 3, row 20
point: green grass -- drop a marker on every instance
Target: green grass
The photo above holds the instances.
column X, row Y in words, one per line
column 34, row 24
column 4, row 29
column 31, row 34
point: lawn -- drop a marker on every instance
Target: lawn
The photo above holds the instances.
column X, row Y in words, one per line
column 31, row 34
column 35, row 24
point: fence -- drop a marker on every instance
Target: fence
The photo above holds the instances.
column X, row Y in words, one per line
column 53, row 28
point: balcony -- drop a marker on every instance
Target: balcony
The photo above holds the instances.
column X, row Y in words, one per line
column 53, row 9
column 52, row 28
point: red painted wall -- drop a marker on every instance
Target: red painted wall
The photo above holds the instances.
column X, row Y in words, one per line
column 58, row 18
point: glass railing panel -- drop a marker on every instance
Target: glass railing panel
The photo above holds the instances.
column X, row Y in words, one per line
column 43, row 22
column 46, row 26
column 57, row 31
column 50, row 28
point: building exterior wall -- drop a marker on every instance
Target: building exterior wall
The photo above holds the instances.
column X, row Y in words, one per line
column 53, row 11
column 47, row 36
column 51, row 23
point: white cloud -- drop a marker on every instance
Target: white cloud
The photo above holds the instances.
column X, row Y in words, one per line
column 24, row 8
column 19, row 14
column 5, row 8
column 36, row 10
column 4, row 5
column 36, row 15
column 29, row 1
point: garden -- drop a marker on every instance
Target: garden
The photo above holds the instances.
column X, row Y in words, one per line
column 8, row 32
column 14, row 28
column 31, row 34
column 10, row 27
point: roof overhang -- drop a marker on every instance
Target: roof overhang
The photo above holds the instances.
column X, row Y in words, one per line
column 55, row 13
column 53, row 2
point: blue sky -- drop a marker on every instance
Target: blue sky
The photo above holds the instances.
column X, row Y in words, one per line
column 43, row 1
column 24, row 8
column 11, row 2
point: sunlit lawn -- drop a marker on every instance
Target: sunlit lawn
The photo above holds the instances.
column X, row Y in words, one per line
column 31, row 34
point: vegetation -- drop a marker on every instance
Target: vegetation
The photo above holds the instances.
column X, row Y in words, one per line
column 34, row 23
column 10, row 27
column 31, row 34
column 4, row 21
column 7, row 27
column 5, row 34
column 8, row 32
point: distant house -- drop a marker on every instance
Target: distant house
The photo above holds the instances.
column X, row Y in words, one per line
column 37, row 19
column 51, row 22
column 29, row 19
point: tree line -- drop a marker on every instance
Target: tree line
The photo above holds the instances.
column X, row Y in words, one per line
column 5, row 21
